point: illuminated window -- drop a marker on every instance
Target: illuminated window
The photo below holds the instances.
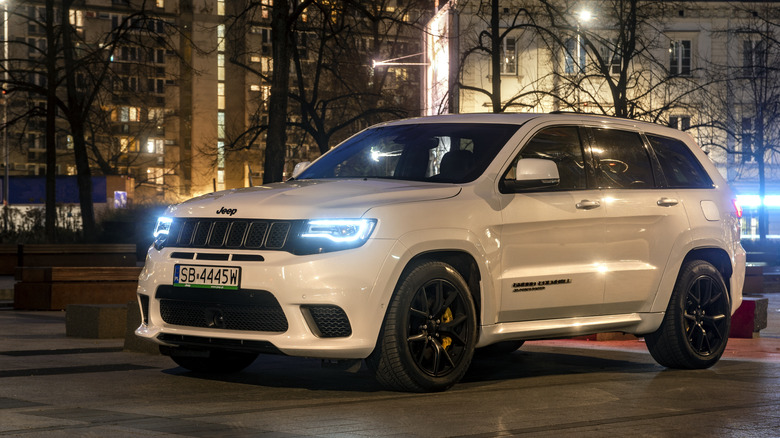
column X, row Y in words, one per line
column 573, row 63
column 221, row 124
column 128, row 145
column 508, row 56
column 221, row 154
column 129, row 114
column 155, row 114
column 680, row 57
column 220, row 7
column 155, row 175
column 221, row 95
column 155, row 146
column 265, row 8
column 221, row 37
column 220, row 180
column 160, row 3
column 254, row 87
column 221, row 67
column 76, row 19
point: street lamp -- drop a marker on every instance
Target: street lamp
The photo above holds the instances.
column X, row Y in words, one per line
column 583, row 16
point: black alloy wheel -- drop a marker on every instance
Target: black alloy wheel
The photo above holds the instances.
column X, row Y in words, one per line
column 706, row 315
column 695, row 328
column 438, row 327
column 428, row 335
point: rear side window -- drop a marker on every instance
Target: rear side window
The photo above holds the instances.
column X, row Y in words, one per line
column 621, row 160
column 681, row 168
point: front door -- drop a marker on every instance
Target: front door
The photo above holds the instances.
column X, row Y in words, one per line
column 552, row 240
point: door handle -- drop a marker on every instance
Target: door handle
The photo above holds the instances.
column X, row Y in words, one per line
column 667, row 202
column 586, row 204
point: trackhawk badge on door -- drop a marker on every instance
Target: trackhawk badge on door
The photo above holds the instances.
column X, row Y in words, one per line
column 530, row 286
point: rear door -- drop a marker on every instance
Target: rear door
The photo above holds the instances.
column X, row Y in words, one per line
column 645, row 219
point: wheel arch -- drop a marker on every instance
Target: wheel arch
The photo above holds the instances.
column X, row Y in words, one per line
column 715, row 256
column 718, row 257
column 464, row 263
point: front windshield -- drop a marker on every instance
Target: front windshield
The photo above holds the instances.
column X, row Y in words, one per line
column 442, row 152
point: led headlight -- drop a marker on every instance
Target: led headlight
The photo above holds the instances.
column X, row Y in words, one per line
column 325, row 235
column 161, row 231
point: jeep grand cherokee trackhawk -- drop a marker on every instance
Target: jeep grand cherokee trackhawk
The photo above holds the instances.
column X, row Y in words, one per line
column 415, row 242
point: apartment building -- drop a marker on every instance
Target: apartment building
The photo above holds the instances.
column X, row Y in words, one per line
column 183, row 100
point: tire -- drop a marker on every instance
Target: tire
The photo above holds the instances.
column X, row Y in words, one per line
column 428, row 336
column 695, row 328
column 499, row 348
column 217, row 361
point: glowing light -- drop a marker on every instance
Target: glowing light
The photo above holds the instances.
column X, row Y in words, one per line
column 754, row 201
column 339, row 230
column 163, row 226
column 585, row 15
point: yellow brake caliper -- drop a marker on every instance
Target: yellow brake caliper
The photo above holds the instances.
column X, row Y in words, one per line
column 446, row 318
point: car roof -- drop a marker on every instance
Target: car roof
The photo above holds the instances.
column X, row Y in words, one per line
column 556, row 117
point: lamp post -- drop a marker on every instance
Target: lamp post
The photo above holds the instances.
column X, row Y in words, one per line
column 582, row 17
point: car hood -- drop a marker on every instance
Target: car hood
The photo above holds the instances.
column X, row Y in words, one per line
column 307, row 199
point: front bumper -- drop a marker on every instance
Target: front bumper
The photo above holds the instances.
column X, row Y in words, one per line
column 294, row 305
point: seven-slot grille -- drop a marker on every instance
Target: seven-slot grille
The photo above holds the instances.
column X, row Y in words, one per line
column 229, row 233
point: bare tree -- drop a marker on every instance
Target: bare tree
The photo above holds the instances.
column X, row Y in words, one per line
column 338, row 88
column 73, row 73
column 611, row 59
column 739, row 114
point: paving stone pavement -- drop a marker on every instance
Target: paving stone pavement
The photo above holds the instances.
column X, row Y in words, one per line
column 55, row 386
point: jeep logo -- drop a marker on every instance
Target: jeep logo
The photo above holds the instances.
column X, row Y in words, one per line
column 227, row 211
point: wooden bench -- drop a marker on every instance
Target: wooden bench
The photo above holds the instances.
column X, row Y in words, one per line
column 24, row 255
column 54, row 288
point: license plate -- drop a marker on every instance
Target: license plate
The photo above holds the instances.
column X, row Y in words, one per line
column 207, row 277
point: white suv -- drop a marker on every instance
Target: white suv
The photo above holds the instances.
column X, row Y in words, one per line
column 415, row 242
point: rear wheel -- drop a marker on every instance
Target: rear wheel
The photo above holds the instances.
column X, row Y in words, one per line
column 695, row 328
column 217, row 361
column 427, row 340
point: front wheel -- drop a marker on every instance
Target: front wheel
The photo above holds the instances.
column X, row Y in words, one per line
column 428, row 336
column 695, row 328
column 215, row 361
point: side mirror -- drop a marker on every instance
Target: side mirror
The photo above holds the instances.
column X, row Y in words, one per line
column 532, row 173
column 299, row 168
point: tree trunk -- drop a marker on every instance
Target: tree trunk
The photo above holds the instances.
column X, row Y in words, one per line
column 759, row 153
column 51, row 130
column 76, row 118
column 495, row 58
column 273, row 166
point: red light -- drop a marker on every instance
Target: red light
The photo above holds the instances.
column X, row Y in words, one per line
column 737, row 208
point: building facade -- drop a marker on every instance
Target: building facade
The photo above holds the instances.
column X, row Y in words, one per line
column 706, row 67
column 179, row 89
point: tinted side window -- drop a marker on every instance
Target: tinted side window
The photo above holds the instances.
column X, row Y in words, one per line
column 680, row 166
column 621, row 160
column 562, row 145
